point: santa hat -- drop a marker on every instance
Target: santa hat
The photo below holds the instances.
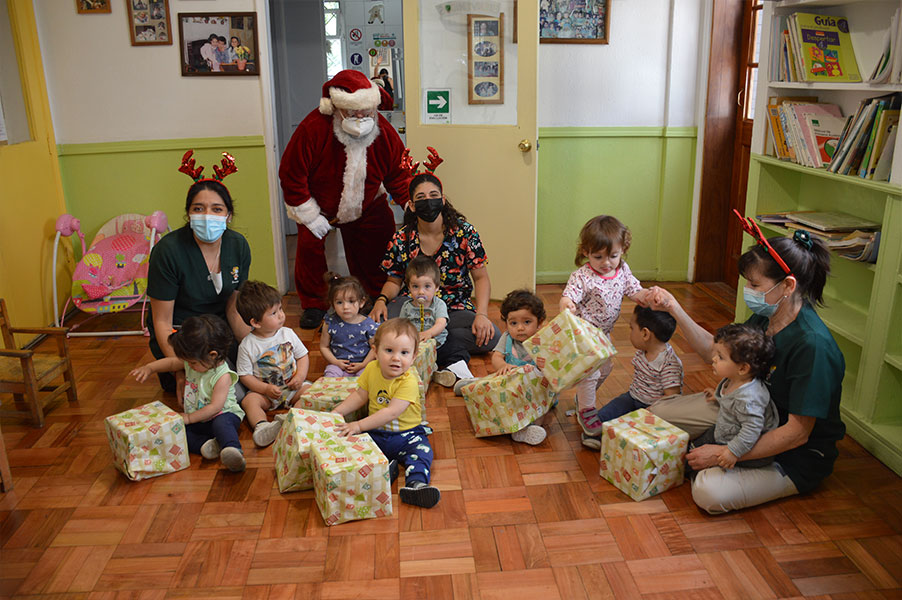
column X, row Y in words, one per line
column 352, row 90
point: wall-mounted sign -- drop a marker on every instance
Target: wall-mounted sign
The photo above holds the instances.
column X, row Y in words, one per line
column 356, row 59
column 438, row 106
column 356, row 35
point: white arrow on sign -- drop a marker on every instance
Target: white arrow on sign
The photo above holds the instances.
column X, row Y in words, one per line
column 439, row 102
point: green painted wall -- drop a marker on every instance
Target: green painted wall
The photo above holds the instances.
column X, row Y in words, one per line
column 641, row 175
column 101, row 181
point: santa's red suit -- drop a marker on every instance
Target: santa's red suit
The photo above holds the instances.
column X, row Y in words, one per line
column 331, row 177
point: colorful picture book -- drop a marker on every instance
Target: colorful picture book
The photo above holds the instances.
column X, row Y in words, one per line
column 823, row 48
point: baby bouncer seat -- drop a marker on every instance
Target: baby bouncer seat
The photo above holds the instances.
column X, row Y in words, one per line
column 112, row 273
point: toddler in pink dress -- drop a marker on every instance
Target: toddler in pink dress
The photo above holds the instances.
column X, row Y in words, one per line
column 594, row 292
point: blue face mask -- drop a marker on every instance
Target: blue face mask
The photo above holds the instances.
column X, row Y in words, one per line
column 757, row 304
column 208, row 228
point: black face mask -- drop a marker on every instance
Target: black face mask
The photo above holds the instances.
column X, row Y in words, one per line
column 428, row 209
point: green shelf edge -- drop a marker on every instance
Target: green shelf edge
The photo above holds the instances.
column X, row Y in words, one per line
column 883, row 440
column 887, row 188
column 894, row 360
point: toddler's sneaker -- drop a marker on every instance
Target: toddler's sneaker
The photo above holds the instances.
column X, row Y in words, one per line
column 531, row 434
column 420, row 494
column 265, row 432
column 233, row 459
column 444, row 378
column 590, row 442
column 459, row 386
column 588, row 420
column 210, row 449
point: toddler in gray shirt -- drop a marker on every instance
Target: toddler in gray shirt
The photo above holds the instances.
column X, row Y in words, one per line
column 742, row 357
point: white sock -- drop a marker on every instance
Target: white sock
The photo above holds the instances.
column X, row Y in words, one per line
column 461, row 369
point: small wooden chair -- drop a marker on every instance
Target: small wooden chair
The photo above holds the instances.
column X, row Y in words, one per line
column 25, row 373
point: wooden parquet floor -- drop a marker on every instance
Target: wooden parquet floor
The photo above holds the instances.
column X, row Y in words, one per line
column 515, row 522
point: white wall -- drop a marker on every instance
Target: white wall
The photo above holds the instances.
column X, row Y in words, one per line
column 103, row 89
column 626, row 82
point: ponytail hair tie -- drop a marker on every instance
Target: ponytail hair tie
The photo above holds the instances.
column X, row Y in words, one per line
column 803, row 237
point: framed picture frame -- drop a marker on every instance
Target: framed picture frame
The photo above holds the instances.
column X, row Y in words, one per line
column 485, row 59
column 575, row 22
column 148, row 22
column 90, row 7
column 214, row 44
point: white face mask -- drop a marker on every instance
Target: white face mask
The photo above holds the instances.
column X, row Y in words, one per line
column 358, row 127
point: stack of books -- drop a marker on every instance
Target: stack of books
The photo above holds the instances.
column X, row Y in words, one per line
column 850, row 236
column 865, row 146
column 815, row 134
column 803, row 130
column 812, row 47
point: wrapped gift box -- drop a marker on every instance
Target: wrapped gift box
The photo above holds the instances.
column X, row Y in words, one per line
column 328, row 392
column 567, row 349
column 300, row 430
column 642, row 454
column 350, row 479
column 349, row 475
column 424, row 365
column 148, row 441
column 507, row 403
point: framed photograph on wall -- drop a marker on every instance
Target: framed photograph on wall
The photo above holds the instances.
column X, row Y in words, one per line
column 87, row 7
column 214, row 44
column 148, row 22
column 574, row 21
column 485, row 59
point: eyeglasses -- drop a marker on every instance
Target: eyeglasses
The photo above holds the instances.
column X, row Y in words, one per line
column 751, row 228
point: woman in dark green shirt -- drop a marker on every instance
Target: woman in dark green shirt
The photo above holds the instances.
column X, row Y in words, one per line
column 196, row 270
column 805, row 382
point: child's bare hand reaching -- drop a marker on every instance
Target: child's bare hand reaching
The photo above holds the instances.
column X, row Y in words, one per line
column 567, row 303
column 295, row 382
column 726, row 459
column 141, row 373
column 709, row 395
column 346, row 429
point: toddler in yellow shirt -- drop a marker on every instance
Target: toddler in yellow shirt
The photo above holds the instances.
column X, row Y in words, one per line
column 389, row 388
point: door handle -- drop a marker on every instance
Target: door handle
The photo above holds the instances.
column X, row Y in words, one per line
column 402, row 130
column 524, row 145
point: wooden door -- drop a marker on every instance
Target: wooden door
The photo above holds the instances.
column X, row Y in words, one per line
column 489, row 171
column 748, row 72
column 727, row 138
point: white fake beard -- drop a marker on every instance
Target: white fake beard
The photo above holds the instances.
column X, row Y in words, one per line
column 354, row 179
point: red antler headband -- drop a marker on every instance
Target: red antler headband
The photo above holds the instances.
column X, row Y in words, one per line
column 228, row 167
column 751, row 228
column 408, row 164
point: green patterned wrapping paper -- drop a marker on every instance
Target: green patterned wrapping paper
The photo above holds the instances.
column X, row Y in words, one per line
column 148, row 441
column 424, row 364
column 567, row 349
column 300, row 430
column 328, row 392
column 507, row 403
column 642, row 454
column 349, row 475
column 350, row 479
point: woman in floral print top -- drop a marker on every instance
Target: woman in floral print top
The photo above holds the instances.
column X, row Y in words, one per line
column 435, row 228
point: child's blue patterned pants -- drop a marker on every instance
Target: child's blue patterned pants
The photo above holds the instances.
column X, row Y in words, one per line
column 410, row 448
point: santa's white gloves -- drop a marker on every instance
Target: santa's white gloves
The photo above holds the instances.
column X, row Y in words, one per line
column 308, row 215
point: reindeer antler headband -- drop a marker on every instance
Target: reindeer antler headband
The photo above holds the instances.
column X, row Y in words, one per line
column 228, row 167
column 431, row 164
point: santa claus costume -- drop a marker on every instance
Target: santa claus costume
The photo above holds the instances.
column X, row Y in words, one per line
column 335, row 172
